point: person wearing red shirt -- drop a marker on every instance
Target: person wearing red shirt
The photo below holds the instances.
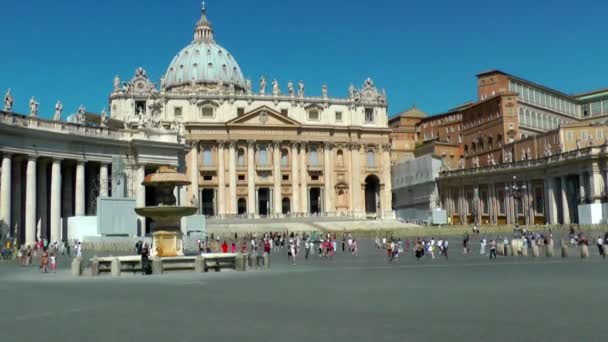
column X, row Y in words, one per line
column 225, row 247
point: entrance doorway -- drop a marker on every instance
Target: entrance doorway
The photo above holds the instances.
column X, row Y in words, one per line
column 372, row 194
column 315, row 200
column 208, row 202
column 286, row 206
column 242, row 206
column 264, row 201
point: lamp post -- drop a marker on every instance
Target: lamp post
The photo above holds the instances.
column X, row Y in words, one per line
column 515, row 192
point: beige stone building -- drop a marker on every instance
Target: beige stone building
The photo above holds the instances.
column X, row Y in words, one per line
column 260, row 153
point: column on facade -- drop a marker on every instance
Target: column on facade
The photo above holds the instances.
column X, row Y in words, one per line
column 461, row 207
column 276, row 177
column 232, row 176
column 595, row 183
column 551, row 216
column 55, row 200
column 565, row 204
column 5, row 190
column 42, row 200
column 295, row 194
column 30, row 202
column 356, row 179
column 531, row 201
column 327, row 175
column 305, row 208
column 477, row 204
column 194, row 175
column 140, row 193
column 221, row 179
column 387, row 203
column 251, row 178
column 80, row 188
column 17, row 199
column 581, row 186
column 103, row 180
column 508, row 212
column 525, row 203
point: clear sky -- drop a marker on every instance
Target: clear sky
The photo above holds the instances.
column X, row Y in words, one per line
column 423, row 52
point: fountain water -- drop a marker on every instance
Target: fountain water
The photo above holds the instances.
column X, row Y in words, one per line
column 166, row 216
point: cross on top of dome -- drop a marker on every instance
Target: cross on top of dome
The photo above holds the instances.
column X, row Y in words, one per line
column 203, row 30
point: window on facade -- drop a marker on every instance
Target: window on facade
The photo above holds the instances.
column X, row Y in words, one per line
column 596, row 108
column 369, row 115
column 140, row 107
column 484, row 203
column 284, row 112
column 263, row 155
column 539, row 201
column 371, row 159
column 314, row 157
column 285, row 177
column 284, row 158
column 177, row 112
column 338, row 116
column 240, row 157
column 605, row 106
column 240, row 111
column 241, row 178
column 207, row 112
column 207, row 178
column 600, row 134
column 501, row 202
column 340, row 158
column 499, row 139
column 313, row 115
column 569, row 136
column 584, row 135
column 207, row 156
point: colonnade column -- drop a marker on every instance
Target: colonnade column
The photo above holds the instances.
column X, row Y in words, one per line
column 305, row 208
column 276, row 177
column 251, row 177
column 232, row 176
column 221, row 187
column 194, row 174
column 531, row 199
column 476, row 204
column 387, row 204
column 295, row 194
column 327, row 173
column 596, row 183
column 103, row 180
column 356, row 178
column 79, row 200
column 30, row 202
column 525, row 203
column 565, row 204
column 551, row 215
column 581, row 186
column 56, row 200
column 5, row 190
column 42, row 200
column 140, row 199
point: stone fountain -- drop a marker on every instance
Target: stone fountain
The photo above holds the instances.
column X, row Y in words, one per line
column 166, row 216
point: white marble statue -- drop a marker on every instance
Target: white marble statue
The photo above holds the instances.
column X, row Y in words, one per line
column 8, row 101
column 324, row 90
column 351, row 91
column 58, row 109
column 262, row 85
column 80, row 114
column 248, row 87
column 162, row 83
column 290, row 88
column 275, row 87
column 116, row 83
column 104, row 118
column 33, row 107
column 220, row 86
column 301, row 89
column 578, row 144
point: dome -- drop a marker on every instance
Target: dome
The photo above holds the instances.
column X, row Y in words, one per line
column 204, row 61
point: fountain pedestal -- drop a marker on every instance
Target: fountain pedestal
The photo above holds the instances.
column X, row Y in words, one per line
column 166, row 217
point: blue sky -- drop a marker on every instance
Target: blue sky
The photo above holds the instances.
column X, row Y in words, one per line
column 423, row 52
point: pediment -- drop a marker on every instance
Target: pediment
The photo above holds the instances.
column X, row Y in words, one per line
column 263, row 117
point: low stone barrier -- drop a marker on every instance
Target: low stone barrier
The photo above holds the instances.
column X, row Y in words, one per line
column 550, row 252
column 76, row 267
column 535, row 250
column 584, row 252
column 564, row 247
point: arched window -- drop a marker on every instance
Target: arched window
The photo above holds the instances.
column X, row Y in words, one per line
column 284, row 158
column 240, row 157
column 207, row 156
column 473, row 147
column 340, row 158
column 263, row 155
column 371, row 159
column 314, row 157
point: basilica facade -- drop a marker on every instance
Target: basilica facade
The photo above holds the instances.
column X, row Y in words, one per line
column 264, row 152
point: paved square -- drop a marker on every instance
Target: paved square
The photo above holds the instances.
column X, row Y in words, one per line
column 345, row 299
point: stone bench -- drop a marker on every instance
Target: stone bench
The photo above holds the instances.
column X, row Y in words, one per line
column 217, row 262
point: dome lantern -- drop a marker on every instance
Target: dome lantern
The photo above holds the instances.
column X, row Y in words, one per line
column 203, row 30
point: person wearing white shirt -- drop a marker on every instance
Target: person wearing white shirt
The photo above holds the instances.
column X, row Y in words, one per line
column 600, row 246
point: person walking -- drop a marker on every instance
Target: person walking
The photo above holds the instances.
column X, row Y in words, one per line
column 445, row 248
column 492, row 249
column 53, row 262
column 600, row 246
column 354, row 247
column 307, row 248
column 482, row 249
column 465, row 244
